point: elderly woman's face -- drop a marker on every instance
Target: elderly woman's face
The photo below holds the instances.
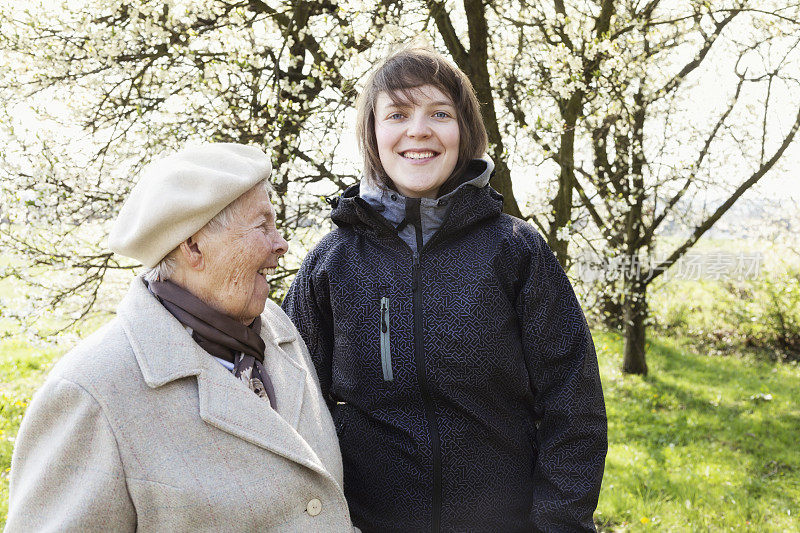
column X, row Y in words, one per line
column 417, row 141
column 237, row 257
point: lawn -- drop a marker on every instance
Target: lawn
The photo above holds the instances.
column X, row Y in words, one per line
column 702, row 444
column 22, row 370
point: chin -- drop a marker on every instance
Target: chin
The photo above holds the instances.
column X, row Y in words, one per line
column 257, row 310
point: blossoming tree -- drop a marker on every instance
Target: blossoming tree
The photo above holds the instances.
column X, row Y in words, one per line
column 599, row 107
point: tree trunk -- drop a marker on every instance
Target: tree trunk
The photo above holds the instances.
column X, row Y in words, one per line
column 612, row 311
column 501, row 182
column 562, row 201
column 635, row 315
column 475, row 63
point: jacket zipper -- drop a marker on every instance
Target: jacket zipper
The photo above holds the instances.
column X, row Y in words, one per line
column 419, row 357
column 430, row 413
column 386, row 353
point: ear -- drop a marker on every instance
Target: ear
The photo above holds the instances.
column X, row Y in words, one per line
column 190, row 250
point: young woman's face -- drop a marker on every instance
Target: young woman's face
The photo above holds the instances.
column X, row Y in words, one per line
column 417, row 142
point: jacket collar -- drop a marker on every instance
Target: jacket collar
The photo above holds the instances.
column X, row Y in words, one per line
column 166, row 352
column 392, row 205
column 430, row 213
column 469, row 204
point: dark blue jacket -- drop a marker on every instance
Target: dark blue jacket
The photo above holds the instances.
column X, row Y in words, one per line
column 462, row 379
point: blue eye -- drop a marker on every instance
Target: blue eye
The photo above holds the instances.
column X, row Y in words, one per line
column 441, row 114
column 395, row 116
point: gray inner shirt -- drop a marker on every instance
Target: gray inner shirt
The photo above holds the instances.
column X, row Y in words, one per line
column 392, row 205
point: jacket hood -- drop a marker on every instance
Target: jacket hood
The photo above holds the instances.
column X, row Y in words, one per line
column 380, row 210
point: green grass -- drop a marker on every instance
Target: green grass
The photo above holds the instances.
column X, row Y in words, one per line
column 730, row 314
column 689, row 450
column 22, row 370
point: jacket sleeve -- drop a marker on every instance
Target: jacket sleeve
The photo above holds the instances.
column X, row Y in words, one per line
column 308, row 306
column 66, row 472
column 568, row 399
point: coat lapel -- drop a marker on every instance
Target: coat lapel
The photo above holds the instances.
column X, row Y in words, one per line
column 165, row 352
column 288, row 377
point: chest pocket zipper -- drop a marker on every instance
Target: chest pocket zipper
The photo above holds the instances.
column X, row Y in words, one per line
column 386, row 352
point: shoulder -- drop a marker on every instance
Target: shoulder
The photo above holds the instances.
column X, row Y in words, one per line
column 98, row 372
column 518, row 237
column 522, row 249
column 520, row 230
column 279, row 323
column 331, row 249
column 335, row 239
column 99, row 360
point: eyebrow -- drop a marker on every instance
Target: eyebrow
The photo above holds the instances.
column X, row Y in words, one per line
column 438, row 103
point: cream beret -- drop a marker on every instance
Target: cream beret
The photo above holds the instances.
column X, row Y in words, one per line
column 177, row 195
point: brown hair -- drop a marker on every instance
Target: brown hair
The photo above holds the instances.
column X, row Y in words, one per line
column 398, row 76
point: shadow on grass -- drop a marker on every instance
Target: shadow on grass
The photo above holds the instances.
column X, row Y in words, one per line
column 692, row 431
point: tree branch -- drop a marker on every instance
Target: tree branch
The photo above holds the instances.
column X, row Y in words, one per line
column 689, row 67
column 700, row 158
column 438, row 13
column 722, row 209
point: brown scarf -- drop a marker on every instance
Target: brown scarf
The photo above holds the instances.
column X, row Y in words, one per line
column 220, row 335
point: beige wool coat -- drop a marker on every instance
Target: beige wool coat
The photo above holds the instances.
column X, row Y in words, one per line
column 139, row 429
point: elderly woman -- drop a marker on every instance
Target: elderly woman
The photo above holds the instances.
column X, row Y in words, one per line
column 197, row 407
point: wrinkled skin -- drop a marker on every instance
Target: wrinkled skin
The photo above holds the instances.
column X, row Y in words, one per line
column 221, row 267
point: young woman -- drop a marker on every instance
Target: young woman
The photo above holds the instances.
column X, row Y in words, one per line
column 449, row 344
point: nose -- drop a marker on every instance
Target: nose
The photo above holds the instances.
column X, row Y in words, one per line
column 279, row 244
column 418, row 127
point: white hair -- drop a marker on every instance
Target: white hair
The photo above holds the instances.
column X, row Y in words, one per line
column 163, row 270
column 222, row 220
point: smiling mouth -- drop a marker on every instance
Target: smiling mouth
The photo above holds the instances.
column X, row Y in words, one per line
column 267, row 271
column 419, row 155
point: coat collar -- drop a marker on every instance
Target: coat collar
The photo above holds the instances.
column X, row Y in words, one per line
column 469, row 204
column 166, row 352
column 392, row 205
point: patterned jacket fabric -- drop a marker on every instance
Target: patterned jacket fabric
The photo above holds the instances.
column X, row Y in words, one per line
column 463, row 381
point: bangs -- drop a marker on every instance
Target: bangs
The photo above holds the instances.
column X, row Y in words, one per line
column 401, row 77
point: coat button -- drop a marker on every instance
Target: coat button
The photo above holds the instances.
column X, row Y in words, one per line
column 314, row 507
